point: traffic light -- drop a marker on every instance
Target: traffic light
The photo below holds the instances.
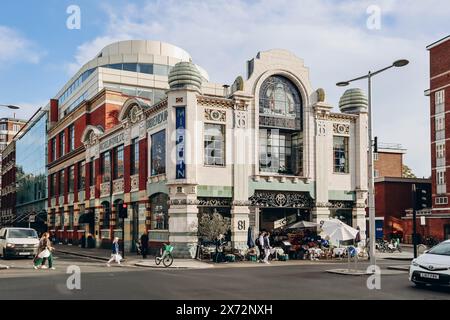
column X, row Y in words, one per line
column 123, row 211
column 375, row 144
column 422, row 197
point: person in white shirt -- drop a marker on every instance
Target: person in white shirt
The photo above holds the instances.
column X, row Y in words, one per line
column 261, row 246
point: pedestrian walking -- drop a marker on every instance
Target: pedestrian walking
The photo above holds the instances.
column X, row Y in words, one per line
column 260, row 244
column 44, row 253
column 115, row 255
column 267, row 247
column 144, row 245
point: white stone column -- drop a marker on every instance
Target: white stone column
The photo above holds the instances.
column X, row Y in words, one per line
column 183, row 220
column 239, row 226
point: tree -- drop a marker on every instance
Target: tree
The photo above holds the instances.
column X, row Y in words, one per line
column 407, row 172
column 210, row 226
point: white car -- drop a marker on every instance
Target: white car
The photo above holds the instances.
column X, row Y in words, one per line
column 23, row 242
column 432, row 267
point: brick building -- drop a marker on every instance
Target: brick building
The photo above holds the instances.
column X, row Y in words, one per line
column 394, row 198
column 437, row 220
column 388, row 160
column 140, row 124
column 8, row 185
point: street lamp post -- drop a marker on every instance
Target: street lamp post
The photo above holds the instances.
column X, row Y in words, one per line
column 371, row 184
column 10, row 106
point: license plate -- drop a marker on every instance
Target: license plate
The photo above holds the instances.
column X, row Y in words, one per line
column 24, row 253
column 429, row 276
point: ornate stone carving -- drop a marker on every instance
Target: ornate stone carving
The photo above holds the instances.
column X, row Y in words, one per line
column 178, row 202
column 337, row 204
column 281, row 199
column 321, row 128
column 214, row 102
column 341, row 128
column 105, row 189
column 214, row 202
column 240, row 119
column 118, row 186
column 241, row 203
column 360, row 205
column 134, row 114
column 134, row 182
column 215, row 115
column 92, row 192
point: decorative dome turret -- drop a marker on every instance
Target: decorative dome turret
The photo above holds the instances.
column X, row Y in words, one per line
column 353, row 101
column 185, row 75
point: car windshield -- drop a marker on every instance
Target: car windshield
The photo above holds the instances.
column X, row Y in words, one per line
column 22, row 233
column 441, row 249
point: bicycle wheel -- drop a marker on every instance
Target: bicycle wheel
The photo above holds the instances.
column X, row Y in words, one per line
column 168, row 260
column 157, row 260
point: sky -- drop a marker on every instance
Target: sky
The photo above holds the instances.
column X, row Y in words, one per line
column 337, row 39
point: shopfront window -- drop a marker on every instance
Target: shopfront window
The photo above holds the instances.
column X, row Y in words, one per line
column 105, row 166
column 106, row 214
column 159, row 211
column 214, row 144
column 340, row 153
column 134, row 156
column 158, row 153
column 118, row 162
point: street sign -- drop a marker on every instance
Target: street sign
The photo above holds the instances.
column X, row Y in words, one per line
column 422, row 221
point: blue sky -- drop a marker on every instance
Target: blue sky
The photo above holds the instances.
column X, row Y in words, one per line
column 38, row 54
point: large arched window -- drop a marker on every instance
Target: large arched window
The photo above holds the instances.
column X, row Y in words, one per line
column 280, row 98
column 280, row 127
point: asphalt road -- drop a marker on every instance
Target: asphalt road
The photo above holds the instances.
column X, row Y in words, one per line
column 264, row 282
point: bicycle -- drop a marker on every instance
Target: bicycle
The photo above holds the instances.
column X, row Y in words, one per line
column 165, row 256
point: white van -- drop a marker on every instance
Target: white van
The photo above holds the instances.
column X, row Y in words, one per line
column 23, row 242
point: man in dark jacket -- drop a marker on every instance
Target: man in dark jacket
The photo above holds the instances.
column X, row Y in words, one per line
column 144, row 244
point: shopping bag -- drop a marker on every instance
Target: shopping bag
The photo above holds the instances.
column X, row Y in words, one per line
column 118, row 258
column 44, row 254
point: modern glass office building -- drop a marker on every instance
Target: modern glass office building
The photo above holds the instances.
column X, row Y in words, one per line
column 31, row 171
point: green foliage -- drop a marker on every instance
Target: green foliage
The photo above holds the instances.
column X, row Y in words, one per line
column 210, row 226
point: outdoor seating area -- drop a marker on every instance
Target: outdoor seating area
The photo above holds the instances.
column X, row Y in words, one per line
column 300, row 241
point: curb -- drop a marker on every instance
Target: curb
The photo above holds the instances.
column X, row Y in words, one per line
column 401, row 268
column 346, row 272
column 398, row 258
column 83, row 255
column 143, row 265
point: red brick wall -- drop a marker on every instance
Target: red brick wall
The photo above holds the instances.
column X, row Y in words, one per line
column 389, row 164
column 432, row 228
column 143, row 146
column 440, row 59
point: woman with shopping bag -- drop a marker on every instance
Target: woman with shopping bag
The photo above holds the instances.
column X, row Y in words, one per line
column 44, row 253
column 115, row 255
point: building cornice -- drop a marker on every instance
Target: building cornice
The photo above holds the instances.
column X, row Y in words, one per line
column 215, row 102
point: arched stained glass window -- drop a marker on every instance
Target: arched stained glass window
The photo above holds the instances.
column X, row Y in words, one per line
column 279, row 97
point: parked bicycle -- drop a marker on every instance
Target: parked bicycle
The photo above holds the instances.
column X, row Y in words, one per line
column 165, row 256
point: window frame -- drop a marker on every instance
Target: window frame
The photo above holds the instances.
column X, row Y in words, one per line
column 221, row 141
column 345, row 151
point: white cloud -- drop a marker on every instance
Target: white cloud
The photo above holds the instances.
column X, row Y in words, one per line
column 14, row 47
column 330, row 36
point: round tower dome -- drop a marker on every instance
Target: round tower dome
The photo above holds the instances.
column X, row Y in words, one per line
column 353, row 101
column 185, row 75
